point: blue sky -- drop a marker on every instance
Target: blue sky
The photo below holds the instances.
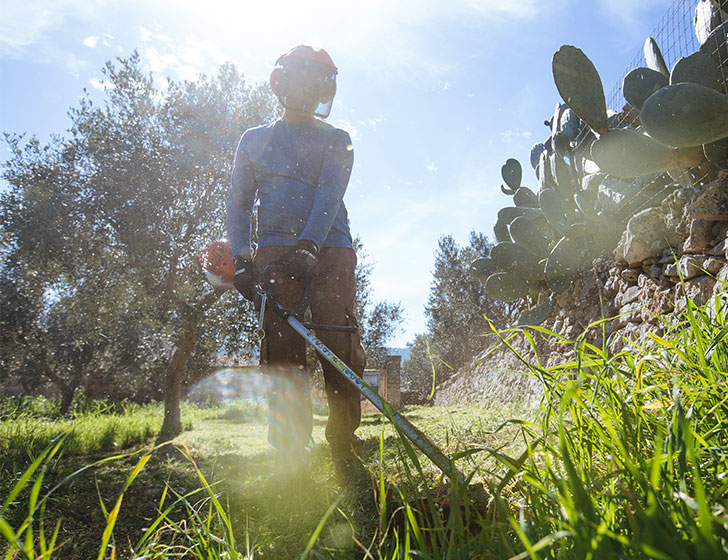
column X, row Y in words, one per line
column 435, row 94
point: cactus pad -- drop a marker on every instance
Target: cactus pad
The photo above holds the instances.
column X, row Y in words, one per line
column 554, row 208
column 500, row 230
column 567, row 258
column 525, row 198
column 570, row 123
column 580, row 86
column 627, row 153
column 536, row 150
column 698, row 68
column 530, row 236
column 654, row 58
column 640, row 83
column 536, row 315
column 685, row 115
column 512, row 173
column 510, row 257
column 481, row 268
column 506, row 287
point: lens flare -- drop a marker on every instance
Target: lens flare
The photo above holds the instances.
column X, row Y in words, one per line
column 278, row 396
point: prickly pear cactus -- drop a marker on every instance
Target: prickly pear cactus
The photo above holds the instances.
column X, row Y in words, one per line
column 506, row 287
column 654, row 58
column 526, row 233
column 698, row 68
column 626, row 153
column 512, row 174
column 511, row 257
column 482, row 267
column 685, row 115
column 640, row 83
column 580, row 86
column 536, row 315
column 596, row 169
column 525, row 198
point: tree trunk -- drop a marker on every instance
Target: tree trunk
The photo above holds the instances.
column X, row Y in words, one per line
column 172, row 425
column 67, row 392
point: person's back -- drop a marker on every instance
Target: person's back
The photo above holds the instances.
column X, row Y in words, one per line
column 293, row 165
column 297, row 169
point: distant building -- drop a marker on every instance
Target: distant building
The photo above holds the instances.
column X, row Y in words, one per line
column 386, row 382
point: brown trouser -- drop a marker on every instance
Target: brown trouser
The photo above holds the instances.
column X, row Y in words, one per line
column 283, row 352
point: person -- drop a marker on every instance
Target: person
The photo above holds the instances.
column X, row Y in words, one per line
column 297, row 168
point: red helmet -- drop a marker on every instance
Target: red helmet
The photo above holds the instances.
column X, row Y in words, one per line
column 216, row 259
column 311, row 64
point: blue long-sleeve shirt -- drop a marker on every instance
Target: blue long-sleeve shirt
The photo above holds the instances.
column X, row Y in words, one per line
column 299, row 174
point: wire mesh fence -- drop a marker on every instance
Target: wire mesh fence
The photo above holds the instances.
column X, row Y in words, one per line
column 676, row 38
column 679, row 33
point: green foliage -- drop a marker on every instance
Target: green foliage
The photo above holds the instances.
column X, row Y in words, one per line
column 634, row 445
column 28, row 425
column 455, row 310
column 626, row 457
column 103, row 228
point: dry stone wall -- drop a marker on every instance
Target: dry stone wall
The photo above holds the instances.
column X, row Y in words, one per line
column 684, row 237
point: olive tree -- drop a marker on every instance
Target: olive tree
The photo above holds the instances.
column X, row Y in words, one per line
column 126, row 202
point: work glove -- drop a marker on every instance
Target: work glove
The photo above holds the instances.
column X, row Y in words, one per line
column 246, row 276
column 299, row 263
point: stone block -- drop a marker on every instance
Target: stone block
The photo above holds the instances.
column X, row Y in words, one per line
column 700, row 238
column 645, row 236
column 671, row 270
column 713, row 265
column 712, row 204
column 700, row 289
column 721, row 284
column 631, row 312
column 692, row 265
column 630, row 275
column 720, row 249
column 630, row 295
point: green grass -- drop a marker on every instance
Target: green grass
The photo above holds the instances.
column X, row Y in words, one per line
column 24, row 433
column 626, row 458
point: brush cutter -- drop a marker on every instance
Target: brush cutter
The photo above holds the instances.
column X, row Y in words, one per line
column 294, row 318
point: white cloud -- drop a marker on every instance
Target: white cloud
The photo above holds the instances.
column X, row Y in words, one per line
column 392, row 39
column 432, row 167
column 28, row 23
column 509, row 135
column 350, row 127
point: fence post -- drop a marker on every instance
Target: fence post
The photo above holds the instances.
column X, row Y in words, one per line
column 392, row 376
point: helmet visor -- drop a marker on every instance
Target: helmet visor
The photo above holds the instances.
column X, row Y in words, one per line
column 310, row 82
